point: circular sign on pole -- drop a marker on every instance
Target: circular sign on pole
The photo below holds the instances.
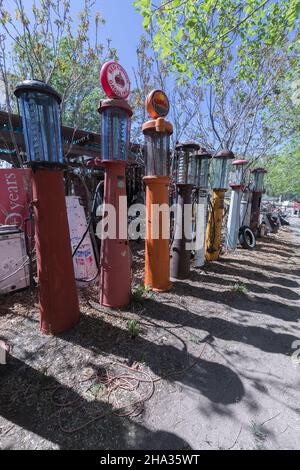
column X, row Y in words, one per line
column 114, row 80
column 157, row 104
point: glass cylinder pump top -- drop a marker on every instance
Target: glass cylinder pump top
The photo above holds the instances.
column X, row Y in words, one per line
column 41, row 112
column 157, row 153
column 220, row 169
column 259, row 175
column 186, row 163
column 202, row 158
column 238, row 174
column 115, row 136
column 157, row 146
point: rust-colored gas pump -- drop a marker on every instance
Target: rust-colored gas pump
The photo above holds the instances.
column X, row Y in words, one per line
column 115, row 263
column 257, row 192
column 59, row 308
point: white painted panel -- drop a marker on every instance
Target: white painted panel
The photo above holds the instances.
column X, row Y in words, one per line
column 84, row 260
column 14, row 268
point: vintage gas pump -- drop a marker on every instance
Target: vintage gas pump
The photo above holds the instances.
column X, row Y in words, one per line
column 202, row 158
column 157, row 133
column 234, row 221
column 115, row 264
column 59, row 309
column 185, row 167
column 257, row 192
column 245, row 208
column 219, row 184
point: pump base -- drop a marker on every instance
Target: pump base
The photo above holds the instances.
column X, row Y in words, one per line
column 180, row 255
column 59, row 307
column 115, row 260
column 157, row 257
column 166, row 289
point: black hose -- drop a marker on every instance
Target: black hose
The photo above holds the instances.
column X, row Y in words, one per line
column 213, row 234
column 92, row 216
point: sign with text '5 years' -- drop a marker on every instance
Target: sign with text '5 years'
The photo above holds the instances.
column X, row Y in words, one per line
column 15, row 196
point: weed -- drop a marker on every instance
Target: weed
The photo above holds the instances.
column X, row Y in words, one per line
column 133, row 327
column 143, row 358
column 44, row 371
column 97, row 389
column 141, row 293
column 240, row 288
column 259, row 434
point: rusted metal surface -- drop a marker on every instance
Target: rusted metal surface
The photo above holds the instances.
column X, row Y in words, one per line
column 59, row 309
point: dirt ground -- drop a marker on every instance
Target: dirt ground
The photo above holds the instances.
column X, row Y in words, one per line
column 210, row 365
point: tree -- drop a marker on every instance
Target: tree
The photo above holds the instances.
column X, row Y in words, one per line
column 232, row 64
column 147, row 77
column 283, row 177
column 232, row 113
column 48, row 46
column 153, row 72
column 193, row 35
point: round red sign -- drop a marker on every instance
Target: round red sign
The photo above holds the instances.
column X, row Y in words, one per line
column 114, row 80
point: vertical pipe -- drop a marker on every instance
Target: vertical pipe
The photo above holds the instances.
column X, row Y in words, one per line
column 59, row 308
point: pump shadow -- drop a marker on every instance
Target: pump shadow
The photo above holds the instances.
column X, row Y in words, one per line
column 37, row 413
column 165, row 360
column 281, row 243
column 278, row 242
column 237, row 300
column 275, row 251
column 283, row 292
column 267, row 268
column 225, row 268
column 262, row 338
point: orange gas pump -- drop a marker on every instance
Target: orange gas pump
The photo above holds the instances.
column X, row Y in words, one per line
column 157, row 133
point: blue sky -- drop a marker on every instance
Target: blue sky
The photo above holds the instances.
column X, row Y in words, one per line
column 123, row 26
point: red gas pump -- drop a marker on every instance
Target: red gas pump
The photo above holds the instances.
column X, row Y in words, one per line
column 115, row 264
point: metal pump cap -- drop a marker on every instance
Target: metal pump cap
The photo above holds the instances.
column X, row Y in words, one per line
column 36, row 86
column 189, row 144
column 240, row 162
column 259, row 170
column 114, row 103
column 225, row 153
column 203, row 153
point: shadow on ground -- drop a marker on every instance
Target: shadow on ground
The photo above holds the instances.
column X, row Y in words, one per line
column 27, row 401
